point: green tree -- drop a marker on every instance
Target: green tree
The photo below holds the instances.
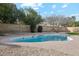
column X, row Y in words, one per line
column 32, row 18
column 21, row 15
column 8, row 12
column 76, row 23
column 73, row 20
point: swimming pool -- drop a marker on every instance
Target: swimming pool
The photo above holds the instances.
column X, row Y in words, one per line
column 41, row 38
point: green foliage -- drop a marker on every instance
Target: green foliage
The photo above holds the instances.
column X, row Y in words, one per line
column 2, row 34
column 71, row 21
column 76, row 23
column 32, row 18
column 21, row 15
column 73, row 33
column 8, row 12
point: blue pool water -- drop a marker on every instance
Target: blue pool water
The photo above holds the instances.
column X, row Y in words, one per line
column 41, row 38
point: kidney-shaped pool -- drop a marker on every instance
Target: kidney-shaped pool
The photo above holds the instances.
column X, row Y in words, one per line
column 41, row 38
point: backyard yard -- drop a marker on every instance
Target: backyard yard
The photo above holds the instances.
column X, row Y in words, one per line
column 49, row 48
column 26, row 30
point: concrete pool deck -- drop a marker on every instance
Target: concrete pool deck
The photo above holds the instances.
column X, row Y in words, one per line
column 70, row 48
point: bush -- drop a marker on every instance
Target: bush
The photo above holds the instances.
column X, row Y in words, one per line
column 73, row 33
column 2, row 34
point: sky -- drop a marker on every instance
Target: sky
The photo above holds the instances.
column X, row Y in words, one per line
column 48, row 9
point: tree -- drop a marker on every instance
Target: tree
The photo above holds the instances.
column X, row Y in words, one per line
column 56, row 20
column 73, row 20
column 60, row 20
column 32, row 18
column 8, row 13
column 21, row 15
column 76, row 23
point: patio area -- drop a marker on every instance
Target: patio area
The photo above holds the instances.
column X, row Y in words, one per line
column 57, row 48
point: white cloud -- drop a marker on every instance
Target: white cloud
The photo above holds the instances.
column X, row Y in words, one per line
column 33, row 5
column 53, row 6
column 77, row 15
column 40, row 4
column 64, row 6
column 36, row 8
column 45, row 12
column 51, row 12
column 27, row 4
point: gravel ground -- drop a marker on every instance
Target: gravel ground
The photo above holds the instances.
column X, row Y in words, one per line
column 68, row 48
column 28, row 51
